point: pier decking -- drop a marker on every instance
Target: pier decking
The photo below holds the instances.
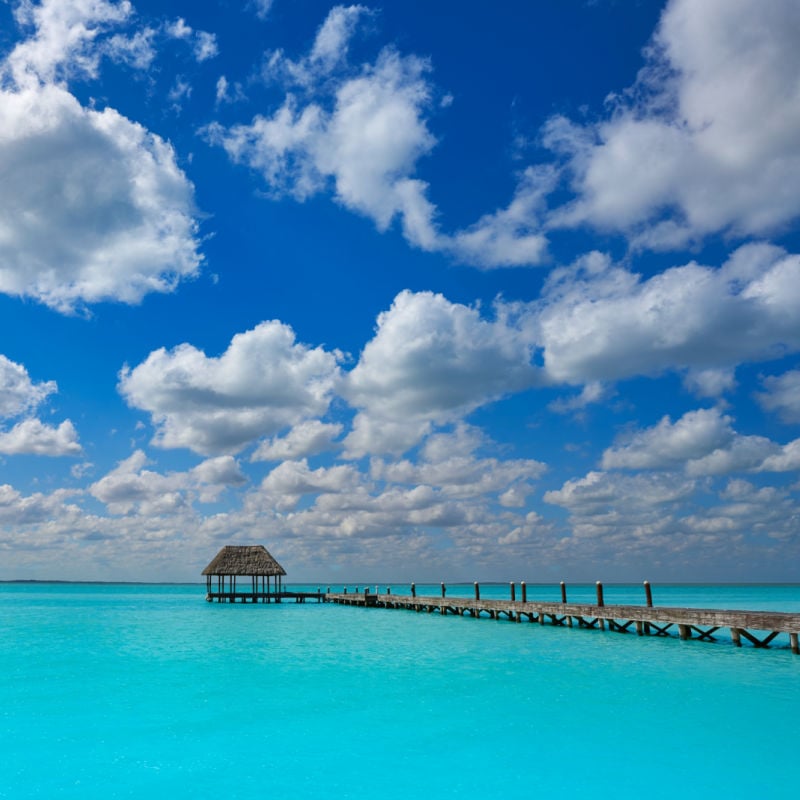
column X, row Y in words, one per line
column 757, row 627
column 263, row 597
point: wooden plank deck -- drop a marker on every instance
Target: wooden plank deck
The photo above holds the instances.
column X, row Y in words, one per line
column 757, row 627
column 264, row 597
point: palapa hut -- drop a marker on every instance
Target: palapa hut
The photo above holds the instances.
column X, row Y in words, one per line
column 235, row 561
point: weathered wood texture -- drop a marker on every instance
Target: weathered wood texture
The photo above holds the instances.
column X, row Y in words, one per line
column 649, row 620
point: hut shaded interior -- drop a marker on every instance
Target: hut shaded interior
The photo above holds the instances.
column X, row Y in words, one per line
column 244, row 561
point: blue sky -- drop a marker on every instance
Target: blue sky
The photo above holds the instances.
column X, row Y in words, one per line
column 430, row 291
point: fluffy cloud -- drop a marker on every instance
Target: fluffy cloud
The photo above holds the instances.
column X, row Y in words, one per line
column 762, row 511
column 96, row 207
column 263, row 382
column 290, row 481
column 670, row 445
column 367, row 145
column 18, row 509
column 782, row 395
column 710, row 382
column 63, row 38
column 597, row 322
column 786, row 459
column 219, row 471
column 129, row 486
column 449, row 488
column 448, row 465
column 431, row 361
column 706, row 141
column 306, row 439
column 328, row 52
column 665, row 522
column 34, row 437
column 703, row 443
column 18, row 393
column 600, row 492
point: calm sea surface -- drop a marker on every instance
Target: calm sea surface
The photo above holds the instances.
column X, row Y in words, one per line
column 133, row 691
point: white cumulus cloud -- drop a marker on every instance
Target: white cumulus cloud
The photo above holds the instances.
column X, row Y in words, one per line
column 131, row 487
column 18, row 393
column 95, row 207
column 32, row 436
column 305, row 439
column 669, row 445
column 361, row 136
column 598, row 322
column 701, row 442
column 265, row 381
column 708, row 140
column 20, row 396
column 430, row 361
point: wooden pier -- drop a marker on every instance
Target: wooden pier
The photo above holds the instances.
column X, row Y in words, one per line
column 759, row 628
column 264, row 597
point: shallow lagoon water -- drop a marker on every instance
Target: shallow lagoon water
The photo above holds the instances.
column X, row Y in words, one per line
column 122, row 691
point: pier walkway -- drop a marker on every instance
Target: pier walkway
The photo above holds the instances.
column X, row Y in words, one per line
column 264, row 597
column 759, row 628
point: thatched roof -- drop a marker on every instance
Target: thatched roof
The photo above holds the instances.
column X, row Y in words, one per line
column 244, row 560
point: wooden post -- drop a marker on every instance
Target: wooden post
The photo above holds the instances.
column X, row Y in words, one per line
column 793, row 643
column 513, row 592
column 444, row 590
column 600, row 603
column 388, row 590
column 639, row 627
column 413, row 589
column 648, row 594
column 477, row 591
column 685, row 632
column 564, row 592
column 345, row 590
column 736, row 637
column 524, row 592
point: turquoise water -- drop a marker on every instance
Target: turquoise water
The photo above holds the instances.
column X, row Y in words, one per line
column 126, row 691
